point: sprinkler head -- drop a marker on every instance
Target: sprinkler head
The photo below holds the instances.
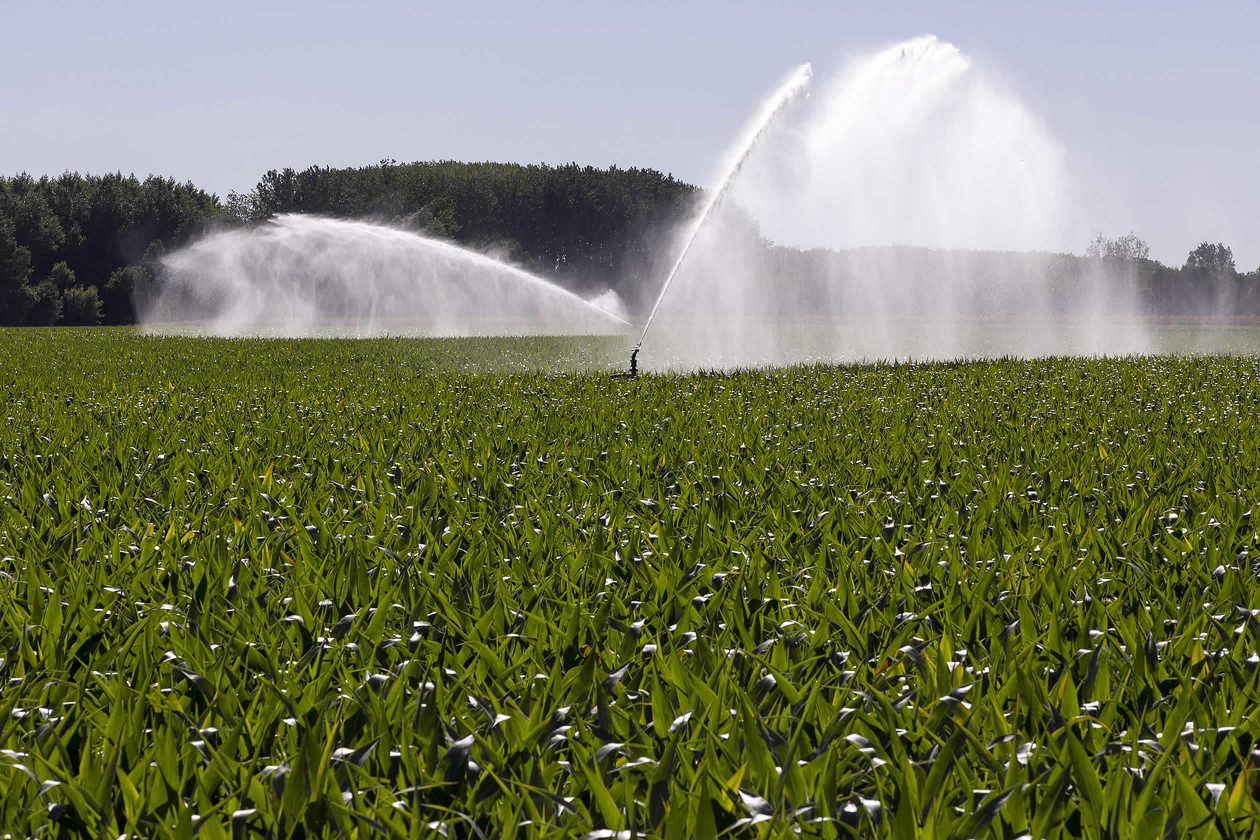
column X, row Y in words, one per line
column 634, row 367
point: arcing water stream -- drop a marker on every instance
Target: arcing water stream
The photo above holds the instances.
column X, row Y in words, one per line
column 773, row 106
column 914, row 208
column 917, row 205
column 306, row 276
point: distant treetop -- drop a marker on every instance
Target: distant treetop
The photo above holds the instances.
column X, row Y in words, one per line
column 1211, row 259
column 1127, row 247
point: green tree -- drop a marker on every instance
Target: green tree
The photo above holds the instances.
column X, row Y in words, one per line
column 81, row 306
column 15, row 270
column 240, row 208
column 62, row 276
column 87, row 227
column 1128, row 247
column 1211, row 258
column 121, row 291
column 43, row 306
column 35, row 224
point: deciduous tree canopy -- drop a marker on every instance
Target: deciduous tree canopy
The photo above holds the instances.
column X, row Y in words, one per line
column 1128, row 247
column 62, row 238
column 1211, row 259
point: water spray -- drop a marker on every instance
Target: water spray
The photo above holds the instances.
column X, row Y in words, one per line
column 792, row 87
column 307, row 275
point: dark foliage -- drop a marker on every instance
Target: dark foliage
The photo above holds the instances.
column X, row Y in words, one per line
column 81, row 306
column 62, row 239
column 586, row 228
column 583, row 227
column 1211, row 259
column 42, row 303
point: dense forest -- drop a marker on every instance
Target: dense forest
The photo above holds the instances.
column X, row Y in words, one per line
column 75, row 248
column 72, row 248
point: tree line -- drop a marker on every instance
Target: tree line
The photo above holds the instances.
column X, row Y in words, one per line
column 582, row 227
column 1208, row 283
column 75, row 248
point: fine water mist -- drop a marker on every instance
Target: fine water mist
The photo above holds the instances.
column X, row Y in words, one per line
column 791, row 87
column 311, row 276
column 918, row 206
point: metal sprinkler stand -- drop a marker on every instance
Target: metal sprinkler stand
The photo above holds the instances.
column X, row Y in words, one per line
column 634, row 367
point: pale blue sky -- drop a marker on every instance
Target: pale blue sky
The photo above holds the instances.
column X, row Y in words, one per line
column 1154, row 102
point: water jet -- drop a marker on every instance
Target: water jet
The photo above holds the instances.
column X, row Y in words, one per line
column 311, row 276
column 791, row 87
column 913, row 208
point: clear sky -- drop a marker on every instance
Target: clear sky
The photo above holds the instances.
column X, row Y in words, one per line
column 1154, row 102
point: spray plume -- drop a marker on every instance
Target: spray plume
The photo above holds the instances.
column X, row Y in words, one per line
column 306, row 275
column 919, row 205
column 771, row 108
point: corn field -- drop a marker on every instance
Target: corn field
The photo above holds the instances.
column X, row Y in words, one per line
column 433, row 588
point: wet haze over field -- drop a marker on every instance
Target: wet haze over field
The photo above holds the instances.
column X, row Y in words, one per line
column 939, row 196
column 909, row 146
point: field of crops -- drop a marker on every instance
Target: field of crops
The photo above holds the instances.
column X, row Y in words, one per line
column 319, row 588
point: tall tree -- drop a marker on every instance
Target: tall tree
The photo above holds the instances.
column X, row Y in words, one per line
column 15, row 270
column 1128, row 248
column 1211, row 258
column 62, row 276
column 76, row 231
column 81, row 306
